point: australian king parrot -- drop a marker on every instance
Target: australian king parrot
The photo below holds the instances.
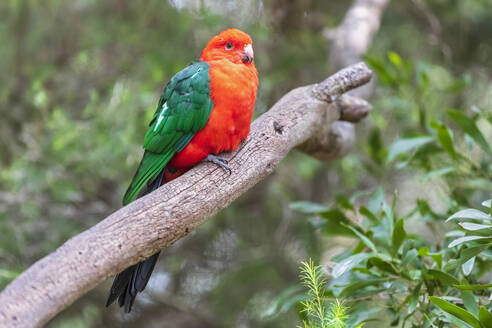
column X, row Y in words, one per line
column 204, row 110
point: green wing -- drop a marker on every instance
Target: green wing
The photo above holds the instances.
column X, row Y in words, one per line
column 183, row 109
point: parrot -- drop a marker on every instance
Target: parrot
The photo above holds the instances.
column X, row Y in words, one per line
column 204, row 110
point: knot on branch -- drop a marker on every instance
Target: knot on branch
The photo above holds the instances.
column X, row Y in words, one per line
column 344, row 80
column 335, row 139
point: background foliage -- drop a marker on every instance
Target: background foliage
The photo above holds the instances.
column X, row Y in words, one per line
column 80, row 80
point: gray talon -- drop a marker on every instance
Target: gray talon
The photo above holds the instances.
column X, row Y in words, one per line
column 223, row 163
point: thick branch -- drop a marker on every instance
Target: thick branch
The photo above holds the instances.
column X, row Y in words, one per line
column 352, row 38
column 157, row 220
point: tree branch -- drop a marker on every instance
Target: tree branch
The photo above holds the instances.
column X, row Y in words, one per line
column 354, row 35
column 157, row 220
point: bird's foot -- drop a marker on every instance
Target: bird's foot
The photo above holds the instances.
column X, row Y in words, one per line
column 223, row 163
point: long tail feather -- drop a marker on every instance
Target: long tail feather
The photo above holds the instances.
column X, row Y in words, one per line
column 134, row 279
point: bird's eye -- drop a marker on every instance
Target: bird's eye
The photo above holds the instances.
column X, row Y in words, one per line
column 229, row 46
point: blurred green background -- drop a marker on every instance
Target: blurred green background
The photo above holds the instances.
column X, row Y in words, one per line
column 80, row 81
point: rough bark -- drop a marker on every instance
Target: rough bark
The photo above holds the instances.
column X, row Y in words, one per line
column 157, row 220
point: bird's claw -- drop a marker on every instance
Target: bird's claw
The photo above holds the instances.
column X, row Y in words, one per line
column 223, row 163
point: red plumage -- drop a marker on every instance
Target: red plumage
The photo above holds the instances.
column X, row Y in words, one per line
column 233, row 86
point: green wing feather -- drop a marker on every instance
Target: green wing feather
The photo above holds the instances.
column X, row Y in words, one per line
column 183, row 110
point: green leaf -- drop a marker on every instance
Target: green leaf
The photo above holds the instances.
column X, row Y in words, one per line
column 437, row 257
column 362, row 237
column 456, row 311
column 405, row 145
column 465, row 239
column 379, row 67
column 459, row 84
column 469, row 301
column 368, row 214
column 349, row 263
column 424, row 251
column 377, row 200
column 333, row 223
column 467, row 267
column 8, row 274
column 358, row 286
column 438, row 173
column 469, row 127
column 344, row 202
column 377, row 150
column 414, row 299
column 399, row 235
column 308, row 207
column 409, row 257
column 465, row 255
column 473, row 287
column 488, row 204
column 485, row 317
column 394, row 58
column 474, row 226
column 443, row 277
column 284, row 301
column 445, row 138
column 382, row 265
column 469, row 213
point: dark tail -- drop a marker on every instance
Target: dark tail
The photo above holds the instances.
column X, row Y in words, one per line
column 133, row 279
column 128, row 283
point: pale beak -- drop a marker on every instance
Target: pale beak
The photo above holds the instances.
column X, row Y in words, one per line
column 248, row 55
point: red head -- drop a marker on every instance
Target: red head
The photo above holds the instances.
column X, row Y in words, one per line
column 232, row 44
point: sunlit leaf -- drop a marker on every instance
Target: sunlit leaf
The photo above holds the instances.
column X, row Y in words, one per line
column 473, row 287
column 394, row 58
column 456, row 311
column 470, row 226
column 469, row 213
column 465, row 239
column 467, row 267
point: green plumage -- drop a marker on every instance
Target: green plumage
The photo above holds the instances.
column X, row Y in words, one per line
column 183, row 110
